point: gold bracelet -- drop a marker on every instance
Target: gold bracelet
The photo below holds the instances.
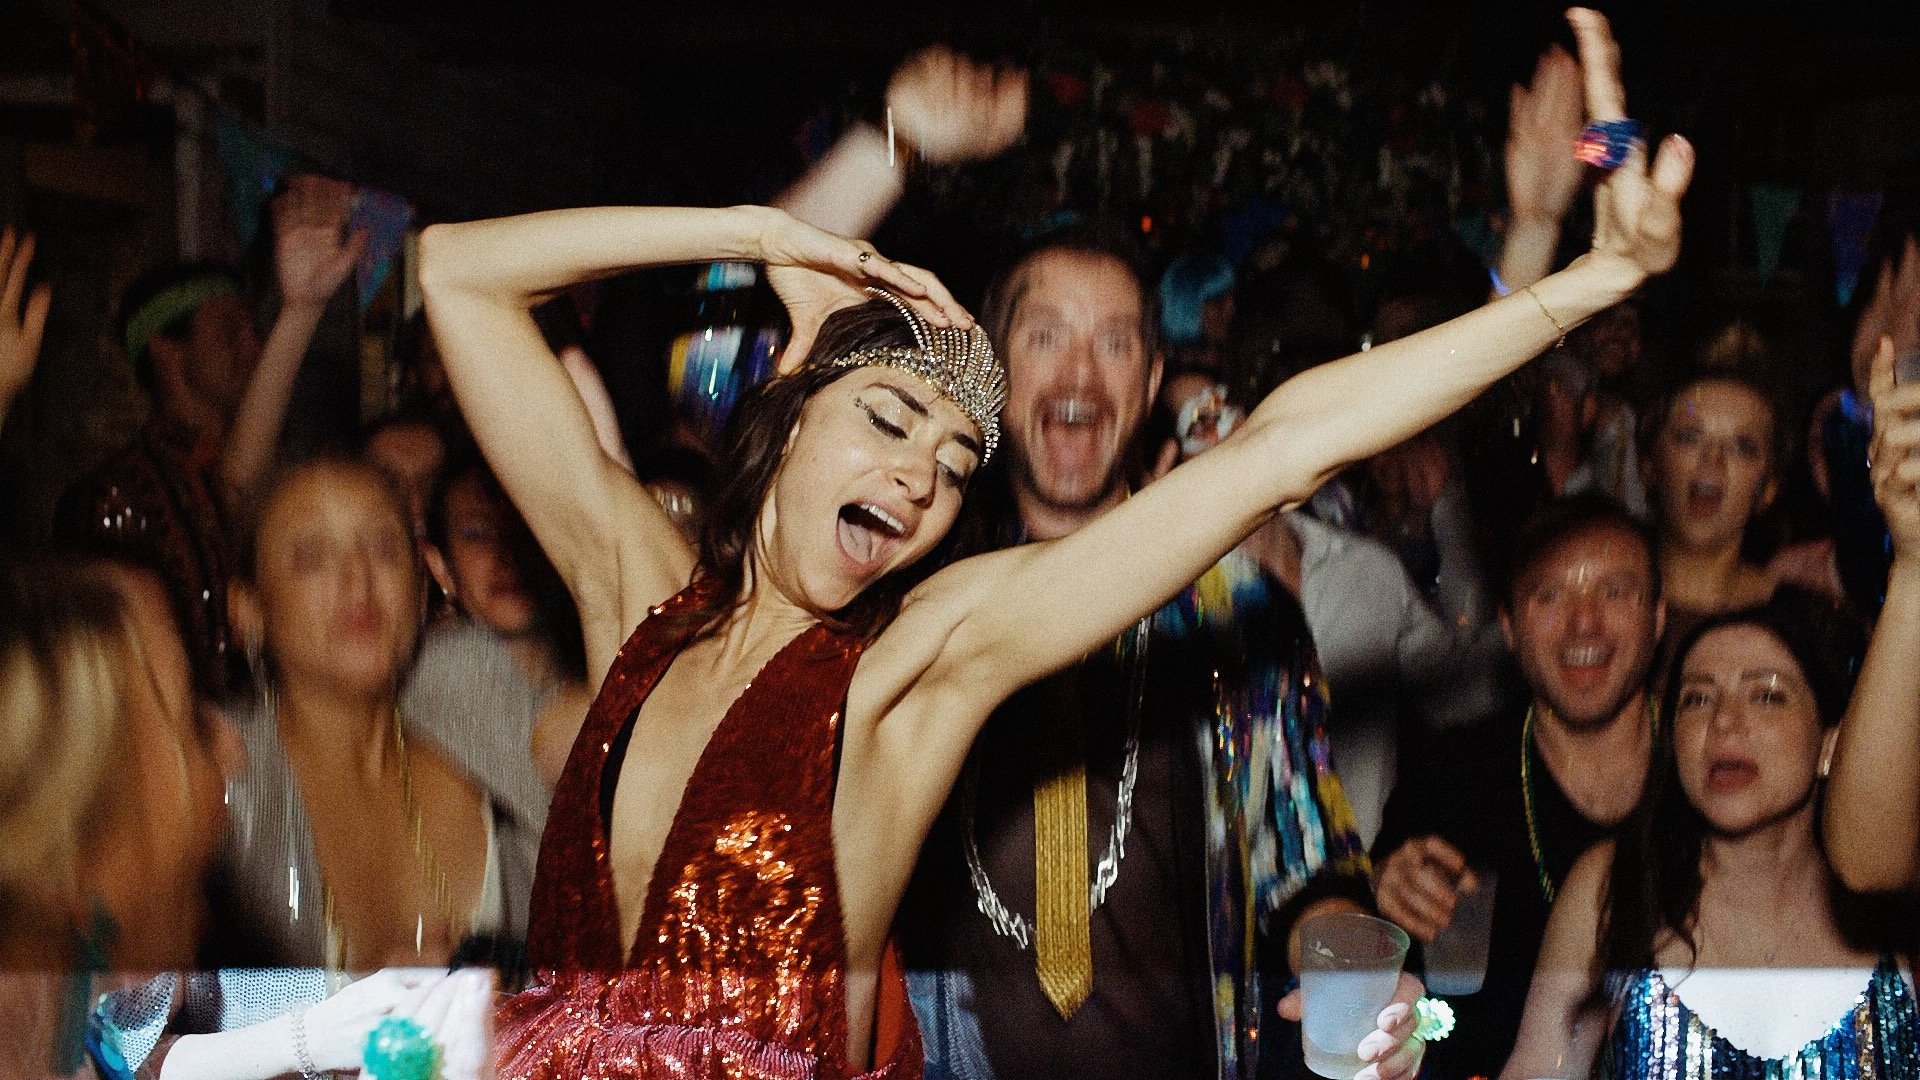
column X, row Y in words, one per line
column 1528, row 289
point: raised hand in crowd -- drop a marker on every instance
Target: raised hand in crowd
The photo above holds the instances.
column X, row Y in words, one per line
column 312, row 251
column 1893, row 314
column 23, row 315
column 1872, row 813
column 1543, row 176
column 950, row 109
column 1636, row 209
column 312, row 255
column 945, row 108
column 1419, row 883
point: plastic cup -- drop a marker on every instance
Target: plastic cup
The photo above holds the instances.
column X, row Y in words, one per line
column 1349, row 970
column 1457, row 958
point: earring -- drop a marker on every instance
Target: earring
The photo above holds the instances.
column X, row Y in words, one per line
column 266, row 700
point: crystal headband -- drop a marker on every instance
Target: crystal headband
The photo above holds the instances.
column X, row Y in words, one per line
column 958, row 363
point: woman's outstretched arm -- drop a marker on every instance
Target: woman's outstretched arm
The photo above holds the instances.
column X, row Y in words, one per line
column 1872, row 813
column 617, row 550
column 1007, row 619
column 1562, row 1028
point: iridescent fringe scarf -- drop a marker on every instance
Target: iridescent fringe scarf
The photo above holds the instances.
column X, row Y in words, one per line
column 1276, row 814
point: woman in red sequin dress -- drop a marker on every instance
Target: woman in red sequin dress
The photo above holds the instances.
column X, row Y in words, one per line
column 717, row 902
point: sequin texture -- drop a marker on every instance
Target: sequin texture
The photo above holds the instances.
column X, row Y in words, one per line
column 739, row 966
column 1658, row 1038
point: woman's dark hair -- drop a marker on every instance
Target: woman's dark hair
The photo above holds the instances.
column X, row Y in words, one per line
column 1654, row 884
column 751, row 456
column 458, row 471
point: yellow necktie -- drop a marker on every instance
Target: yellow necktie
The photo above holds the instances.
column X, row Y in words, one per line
column 1063, row 944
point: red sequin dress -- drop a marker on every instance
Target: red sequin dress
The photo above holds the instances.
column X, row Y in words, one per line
column 739, row 969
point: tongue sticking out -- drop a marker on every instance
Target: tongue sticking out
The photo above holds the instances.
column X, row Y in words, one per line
column 863, row 535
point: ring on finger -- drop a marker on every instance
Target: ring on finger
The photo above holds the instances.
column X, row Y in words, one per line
column 1434, row 1019
column 1606, row 144
column 864, row 256
column 398, row 1048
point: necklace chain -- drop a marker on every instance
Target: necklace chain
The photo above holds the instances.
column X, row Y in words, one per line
column 1526, row 791
column 1012, row 925
column 424, row 856
column 1547, row 887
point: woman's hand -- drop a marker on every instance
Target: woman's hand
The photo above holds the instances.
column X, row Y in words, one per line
column 1893, row 312
column 1636, row 210
column 817, row 273
column 312, row 252
column 1392, row 1052
column 336, row 1029
column 951, row 109
column 454, row 1009
column 21, row 325
column 1543, row 120
column 1891, row 458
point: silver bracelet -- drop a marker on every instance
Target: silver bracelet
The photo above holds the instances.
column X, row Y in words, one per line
column 300, row 1055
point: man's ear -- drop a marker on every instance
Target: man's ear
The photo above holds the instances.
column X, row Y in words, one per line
column 1156, row 368
column 1506, row 630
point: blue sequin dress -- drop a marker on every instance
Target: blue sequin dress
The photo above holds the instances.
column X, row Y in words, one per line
column 1658, row 1038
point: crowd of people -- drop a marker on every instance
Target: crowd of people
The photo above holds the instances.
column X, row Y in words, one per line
column 1004, row 695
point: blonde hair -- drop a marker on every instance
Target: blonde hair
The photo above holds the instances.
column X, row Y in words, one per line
column 61, row 635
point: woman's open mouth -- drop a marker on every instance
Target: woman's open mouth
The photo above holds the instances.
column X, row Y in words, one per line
column 1730, row 774
column 868, row 533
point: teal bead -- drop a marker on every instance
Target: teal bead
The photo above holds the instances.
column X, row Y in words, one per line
column 399, row 1049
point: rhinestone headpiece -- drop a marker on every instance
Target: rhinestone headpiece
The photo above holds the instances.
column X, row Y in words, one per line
column 958, row 363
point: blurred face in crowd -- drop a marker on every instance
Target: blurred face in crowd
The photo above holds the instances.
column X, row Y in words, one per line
column 412, row 455
column 490, row 558
column 1583, row 622
column 1202, row 415
column 221, row 353
column 337, row 584
column 1747, row 734
column 1612, row 342
column 1711, row 464
column 169, row 814
column 1080, row 377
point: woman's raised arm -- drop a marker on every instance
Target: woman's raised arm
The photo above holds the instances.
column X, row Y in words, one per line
column 617, row 550
column 1562, row 1027
column 1019, row 614
column 1872, row 813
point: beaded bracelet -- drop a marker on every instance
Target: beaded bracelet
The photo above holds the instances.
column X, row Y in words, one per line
column 301, row 1056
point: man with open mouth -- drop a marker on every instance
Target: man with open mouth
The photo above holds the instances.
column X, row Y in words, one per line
column 1512, row 803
